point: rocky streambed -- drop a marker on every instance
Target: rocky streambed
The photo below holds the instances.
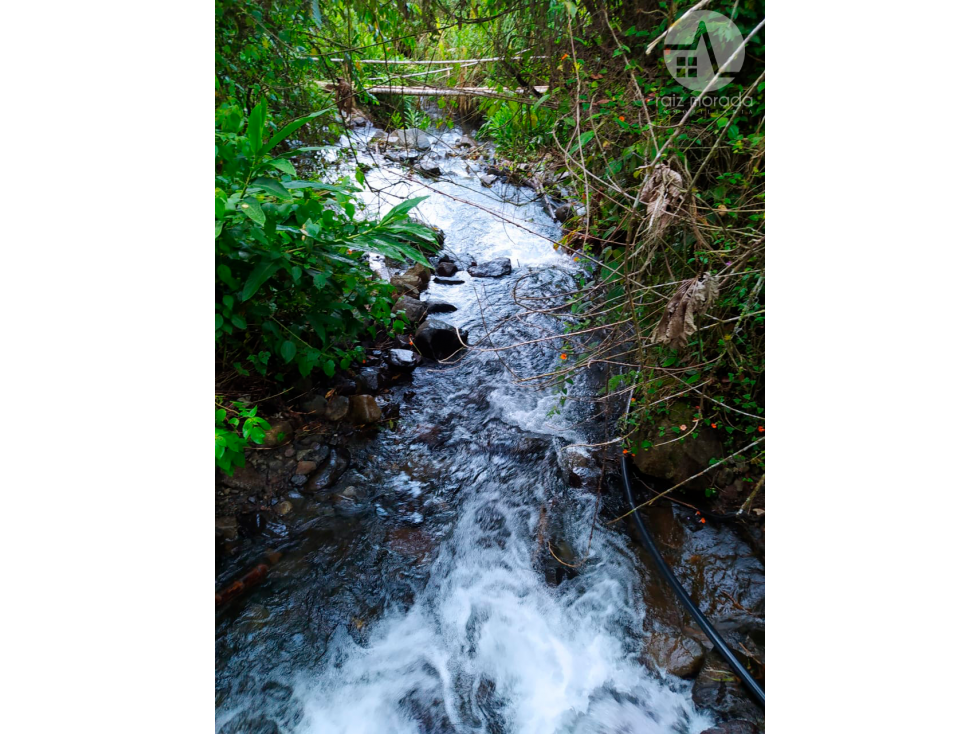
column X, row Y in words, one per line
column 415, row 551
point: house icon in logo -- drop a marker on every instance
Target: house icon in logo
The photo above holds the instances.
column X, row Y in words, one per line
column 694, row 51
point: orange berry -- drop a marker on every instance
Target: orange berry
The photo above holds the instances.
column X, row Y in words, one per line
column 703, row 520
column 713, row 425
column 564, row 356
column 621, row 118
column 625, row 451
column 761, row 429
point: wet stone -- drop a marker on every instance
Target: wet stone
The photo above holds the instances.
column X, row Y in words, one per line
column 449, row 281
column 279, row 433
column 446, row 269
column 439, row 340
column 440, row 307
column 739, row 726
column 679, row 656
column 413, row 308
column 330, row 472
column 305, row 467
column 403, row 359
column 492, row 269
column 364, row 410
column 338, row 408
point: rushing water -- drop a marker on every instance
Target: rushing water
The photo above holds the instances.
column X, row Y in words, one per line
column 426, row 608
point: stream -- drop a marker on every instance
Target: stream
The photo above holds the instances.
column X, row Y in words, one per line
column 428, row 603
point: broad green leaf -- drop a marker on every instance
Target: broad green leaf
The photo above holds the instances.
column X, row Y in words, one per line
column 284, row 166
column 262, row 272
column 218, row 226
column 582, row 141
column 253, row 210
column 256, row 128
column 288, row 351
column 218, row 321
column 287, row 131
column 271, row 186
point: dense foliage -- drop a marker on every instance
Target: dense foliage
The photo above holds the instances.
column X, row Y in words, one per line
column 622, row 133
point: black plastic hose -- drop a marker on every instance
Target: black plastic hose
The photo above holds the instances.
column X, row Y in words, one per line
column 756, row 690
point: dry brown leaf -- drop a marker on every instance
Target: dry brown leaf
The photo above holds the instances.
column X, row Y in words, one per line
column 661, row 193
column 692, row 298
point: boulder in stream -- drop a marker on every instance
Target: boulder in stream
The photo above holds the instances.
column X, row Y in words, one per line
column 414, row 309
column 414, row 280
column 679, row 656
column 440, row 307
column 446, row 268
column 410, row 138
column 439, row 340
column 488, row 179
column 364, row 410
column 403, row 360
column 493, row 269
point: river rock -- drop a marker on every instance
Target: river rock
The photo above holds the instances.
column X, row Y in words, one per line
column 465, row 142
column 338, row 408
column 278, row 434
column 305, row 467
column 439, row 340
column 284, row 507
column 349, row 501
column 492, row 269
column 226, row 528
column 449, row 281
column 677, row 460
column 488, row 179
column 403, row 360
column 440, row 307
column 410, row 138
column 413, row 543
column 563, row 213
column 329, row 472
column 372, row 379
column 414, row 280
column 738, row 726
column 315, row 404
column 446, row 268
column 719, row 689
column 364, row 410
column 414, row 309
column 679, row 656
column 430, row 169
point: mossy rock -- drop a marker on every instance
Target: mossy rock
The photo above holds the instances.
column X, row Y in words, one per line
column 674, row 460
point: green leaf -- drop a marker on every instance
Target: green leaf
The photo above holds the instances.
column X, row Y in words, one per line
column 284, row 166
column 253, row 210
column 218, row 321
column 271, row 186
column 287, row 131
column 583, row 140
column 239, row 322
column 262, row 272
column 256, row 128
column 288, row 351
